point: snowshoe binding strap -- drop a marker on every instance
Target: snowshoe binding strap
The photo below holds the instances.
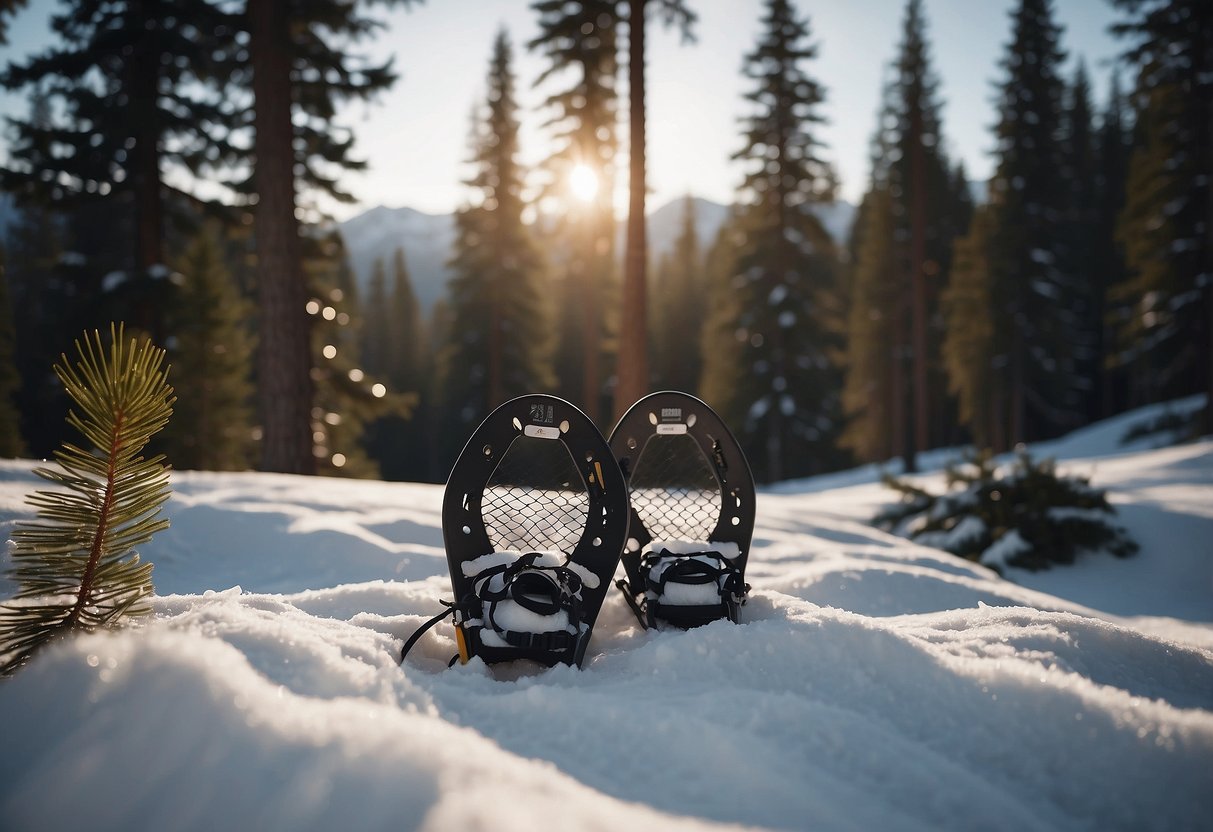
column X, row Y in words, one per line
column 543, row 592
column 690, row 590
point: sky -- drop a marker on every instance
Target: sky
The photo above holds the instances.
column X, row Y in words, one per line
column 415, row 136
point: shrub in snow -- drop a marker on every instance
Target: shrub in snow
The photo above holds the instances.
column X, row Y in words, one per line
column 1022, row 515
column 74, row 566
column 1170, row 427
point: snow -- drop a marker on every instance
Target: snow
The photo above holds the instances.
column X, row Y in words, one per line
column 873, row 684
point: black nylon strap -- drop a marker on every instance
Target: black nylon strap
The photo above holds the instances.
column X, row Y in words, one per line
column 408, row 645
column 691, row 569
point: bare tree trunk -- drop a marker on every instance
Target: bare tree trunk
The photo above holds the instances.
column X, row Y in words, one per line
column 284, row 362
column 1208, row 292
column 144, row 70
column 918, row 289
column 632, row 375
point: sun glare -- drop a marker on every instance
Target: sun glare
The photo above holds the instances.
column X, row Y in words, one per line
column 583, row 182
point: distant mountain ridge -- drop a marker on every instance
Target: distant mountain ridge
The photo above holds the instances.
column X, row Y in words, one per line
column 426, row 239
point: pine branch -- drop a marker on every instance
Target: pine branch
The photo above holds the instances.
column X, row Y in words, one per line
column 75, row 565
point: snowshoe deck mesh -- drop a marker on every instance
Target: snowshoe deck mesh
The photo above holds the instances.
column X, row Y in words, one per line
column 674, row 491
column 535, row 499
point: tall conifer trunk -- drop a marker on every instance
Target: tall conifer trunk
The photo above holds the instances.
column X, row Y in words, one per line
column 284, row 365
column 632, row 373
column 918, row 439
column 144, row 77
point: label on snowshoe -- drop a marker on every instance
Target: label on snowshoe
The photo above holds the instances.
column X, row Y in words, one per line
column 543, row 414
column 671, row 414
column 671, row 429
column 541, row 432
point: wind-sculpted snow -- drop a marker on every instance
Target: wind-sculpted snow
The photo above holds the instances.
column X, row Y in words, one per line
column 873, row 684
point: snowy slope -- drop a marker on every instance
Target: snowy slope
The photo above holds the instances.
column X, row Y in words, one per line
column 874, row 684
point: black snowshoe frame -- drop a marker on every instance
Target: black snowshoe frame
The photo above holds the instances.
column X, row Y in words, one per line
column 689, row 480
column 571, row 504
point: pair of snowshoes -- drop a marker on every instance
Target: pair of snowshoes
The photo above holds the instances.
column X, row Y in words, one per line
column 540, row 509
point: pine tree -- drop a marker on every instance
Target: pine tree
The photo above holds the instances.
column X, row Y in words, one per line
column 968, row 347
column 1031, row 287
column 408, row 334
column 212, row 357
column 721, row 356
column 399, row 445
column 10, row 419
column 873, row 395
column 77, row 561
column 1113, row 146
column 297, row 48
column 784, row 387
column 1081, row 238
column 135, row 87
column 498, row 346
column 579, row 41
column 679, row 310
column 348, row 398
column 1167, row 224
column 633, row 367
column 377, row 326
column 912, row 178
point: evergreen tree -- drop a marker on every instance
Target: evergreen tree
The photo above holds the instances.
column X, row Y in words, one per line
column 968, row 347
column 302, row 68
column 211, row 356
column 721, row 357
column 1113, row 146
column 347, row 397
column 929, row 204
column 408, row 330
column 784, row 393
column 497, row 346
column 580, row 43
column 1032, row 289
column 1167, row 224
column 10, row 380
column 133, row 87
column 1081, row 238
column 75, row 567
column 873, row 394
column 679, row 309
column 633, row 373
column 399, row 445
column 378, row 324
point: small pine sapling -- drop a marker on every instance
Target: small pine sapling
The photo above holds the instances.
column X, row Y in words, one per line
column 74, row 566
column 1022, row 515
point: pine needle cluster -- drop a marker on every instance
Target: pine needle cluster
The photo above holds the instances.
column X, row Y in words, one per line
column 75, row 566
column 1021, row 515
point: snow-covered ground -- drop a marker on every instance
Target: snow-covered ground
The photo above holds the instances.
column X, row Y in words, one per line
column 874, row 684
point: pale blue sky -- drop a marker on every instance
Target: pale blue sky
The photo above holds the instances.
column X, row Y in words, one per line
column 415, row 136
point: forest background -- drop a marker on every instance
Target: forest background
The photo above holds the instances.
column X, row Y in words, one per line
column 183, row 165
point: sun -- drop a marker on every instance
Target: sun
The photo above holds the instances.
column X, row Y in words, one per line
column 583, row 183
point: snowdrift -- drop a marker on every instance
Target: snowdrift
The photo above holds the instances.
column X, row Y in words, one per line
column 873, row 684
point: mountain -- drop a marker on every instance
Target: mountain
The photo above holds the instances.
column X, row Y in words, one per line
column 427, row 238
